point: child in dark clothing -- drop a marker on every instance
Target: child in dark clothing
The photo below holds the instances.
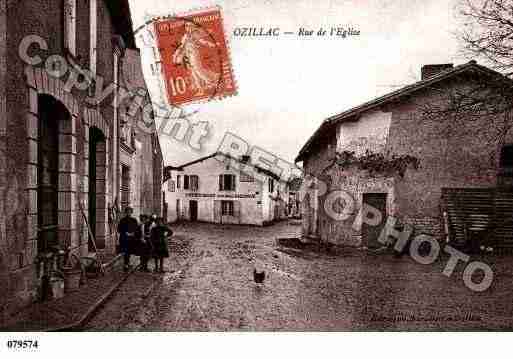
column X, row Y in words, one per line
column 159, row 239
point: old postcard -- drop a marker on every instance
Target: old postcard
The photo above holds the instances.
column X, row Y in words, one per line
column 268, row 166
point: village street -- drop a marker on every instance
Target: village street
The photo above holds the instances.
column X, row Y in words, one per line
column 209, row 287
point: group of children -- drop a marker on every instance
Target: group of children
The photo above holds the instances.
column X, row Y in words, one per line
column 146, row 239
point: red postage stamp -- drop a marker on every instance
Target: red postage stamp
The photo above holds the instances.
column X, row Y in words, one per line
column 195, row 58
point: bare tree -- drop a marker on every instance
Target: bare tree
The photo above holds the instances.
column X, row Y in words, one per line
column 486, row 35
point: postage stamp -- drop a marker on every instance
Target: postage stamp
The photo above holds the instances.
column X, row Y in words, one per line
column 195, row 58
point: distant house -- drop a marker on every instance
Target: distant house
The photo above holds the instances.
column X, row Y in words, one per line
column 294, row 203
column 458, row 189
column 219, row 189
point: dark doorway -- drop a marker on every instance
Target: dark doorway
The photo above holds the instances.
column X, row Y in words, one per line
column 96, row 138
column 51, row 112
column 506, row 158
column 370, row 233
column 193, row 209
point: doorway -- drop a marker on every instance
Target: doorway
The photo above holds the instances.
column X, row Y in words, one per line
column 96, row 178
column 51, row 112
column 370, row 234
column 193, row 210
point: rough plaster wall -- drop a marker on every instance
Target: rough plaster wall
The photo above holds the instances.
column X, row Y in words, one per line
column 316, row 165
column 369, row 133
column 467, row 157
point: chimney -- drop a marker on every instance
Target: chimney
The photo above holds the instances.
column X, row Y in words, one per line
column 428, row 71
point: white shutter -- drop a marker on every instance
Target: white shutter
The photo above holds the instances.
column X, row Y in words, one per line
column 93, row 16
column 70, row 26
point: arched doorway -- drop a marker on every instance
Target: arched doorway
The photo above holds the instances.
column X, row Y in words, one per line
column 97, row 187
column 50, row 114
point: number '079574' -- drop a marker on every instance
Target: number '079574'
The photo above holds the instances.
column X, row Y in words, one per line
column 22, row 344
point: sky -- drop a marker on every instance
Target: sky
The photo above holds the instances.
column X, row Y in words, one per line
column 288, row 85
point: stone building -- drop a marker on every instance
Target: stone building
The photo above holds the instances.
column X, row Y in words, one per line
column 64, row 137
column 140, row 153
column 453, row 185
column 219, row 189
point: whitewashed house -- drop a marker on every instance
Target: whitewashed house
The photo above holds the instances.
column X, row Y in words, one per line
column 220, row 189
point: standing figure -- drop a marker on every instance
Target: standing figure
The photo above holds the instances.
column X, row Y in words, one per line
column 159, row 238
column 188, row 54
column 129, row 235
column 146, row 247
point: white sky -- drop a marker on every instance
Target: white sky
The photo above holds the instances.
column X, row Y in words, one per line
column 288, row 85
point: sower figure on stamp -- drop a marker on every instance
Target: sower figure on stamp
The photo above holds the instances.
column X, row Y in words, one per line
column 129, row 236
column 188, row 54
column 159, row 237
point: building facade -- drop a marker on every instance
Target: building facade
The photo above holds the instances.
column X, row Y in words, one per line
column 437, row 195
column 219, row 189
column 61, row 140
column 140, row 152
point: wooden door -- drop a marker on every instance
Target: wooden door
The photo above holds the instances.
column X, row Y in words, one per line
column 370, row 234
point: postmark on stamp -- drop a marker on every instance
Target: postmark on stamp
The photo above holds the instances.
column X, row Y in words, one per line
column 195, row 59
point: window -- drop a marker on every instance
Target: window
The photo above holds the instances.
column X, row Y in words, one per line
column 70, row 26
column 227, row 208
column 190, row 182
column 227, row 182
column 271, row 185
column 178, row 182
column 171, row 185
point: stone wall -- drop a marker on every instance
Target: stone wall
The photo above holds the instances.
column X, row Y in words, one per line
column 19, row 272
column 465, row 157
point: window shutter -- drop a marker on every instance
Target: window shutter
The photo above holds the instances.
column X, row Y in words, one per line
column 221, row 182
column 195, row 184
